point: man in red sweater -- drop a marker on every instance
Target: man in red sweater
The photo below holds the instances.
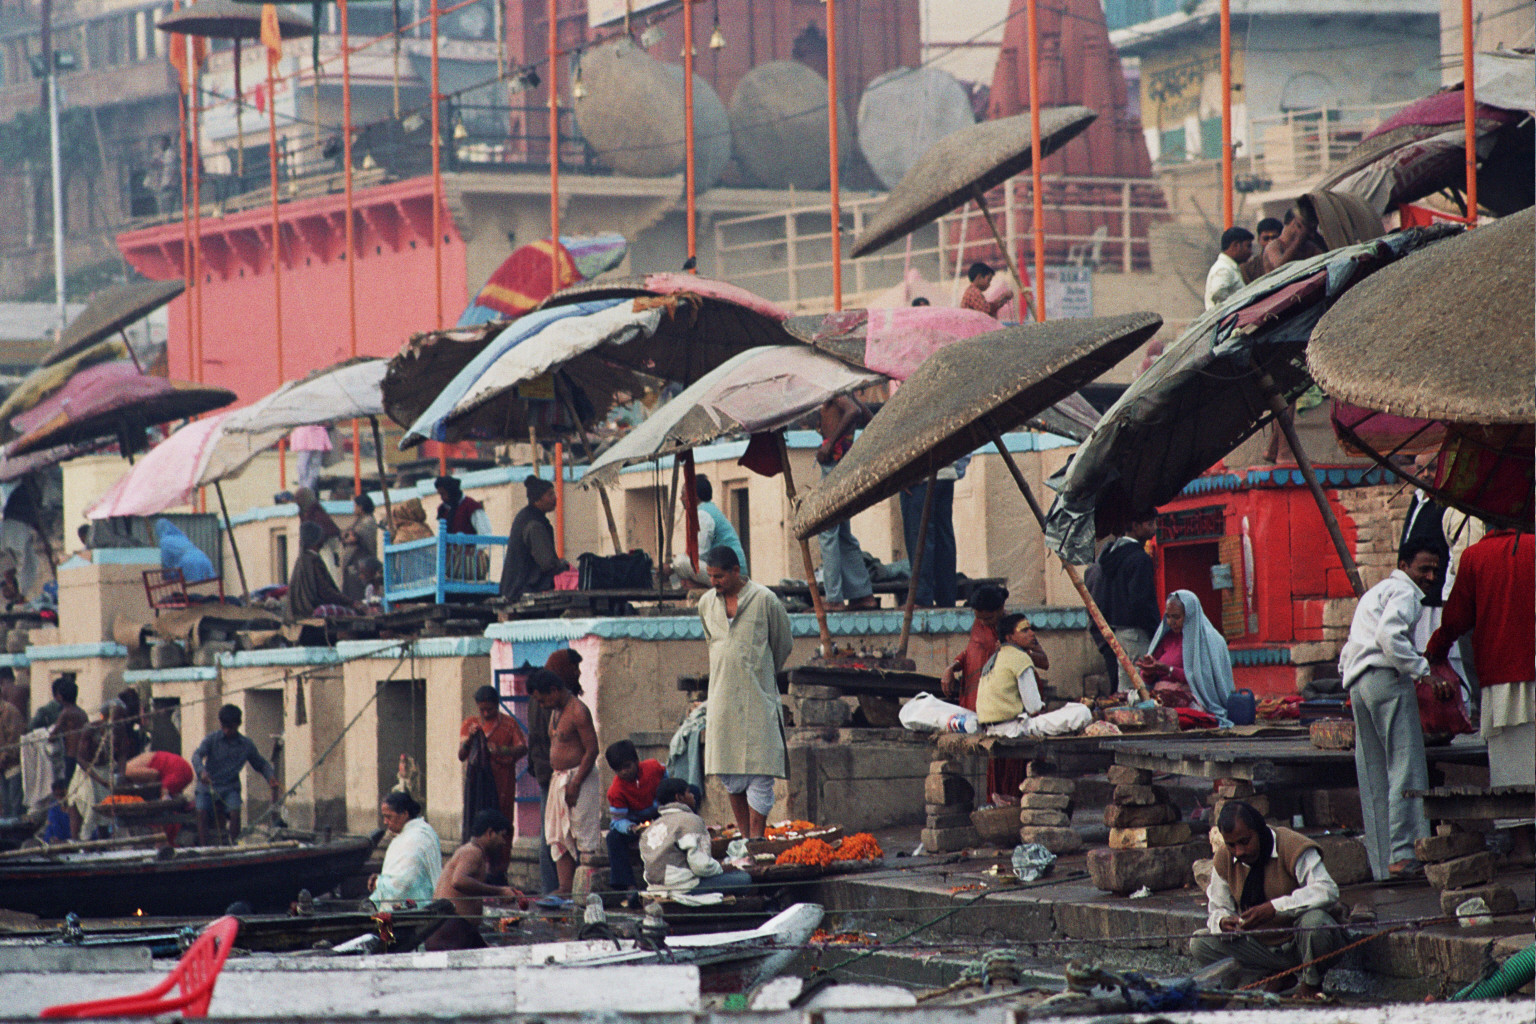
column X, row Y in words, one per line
column 1495, row 598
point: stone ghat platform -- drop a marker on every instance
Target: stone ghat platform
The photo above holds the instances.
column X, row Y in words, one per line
column 1070, row 918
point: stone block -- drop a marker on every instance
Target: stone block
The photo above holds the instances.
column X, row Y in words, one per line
column 1125, row 871
column 810, row 691
column 948, row 790
column 1044, row 818
column 822, row 714
column 1339, row 611
column 1233, row 789
column 947, row 840
column 1049, row 784
column 1046, row 801
column 961, row 808
column 1057, row 840
column 944, row 767
column 955, row 818
column 1333, row 734
column 1345, row 858
column 1123, row 775
column 1312, row 653
column 1501, row 899
column 1333, row 808
column 1132, row 795
column 1203, row 870
column 1462, row 872
column 1139, row 815
column 996, row 825
column 1172, row 834
column 1434, row 849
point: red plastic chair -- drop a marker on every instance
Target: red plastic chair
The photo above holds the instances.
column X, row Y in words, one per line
column 195, row 972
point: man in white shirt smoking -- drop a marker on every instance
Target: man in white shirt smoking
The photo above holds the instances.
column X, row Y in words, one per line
column 1272, row 902
column 1380, row 667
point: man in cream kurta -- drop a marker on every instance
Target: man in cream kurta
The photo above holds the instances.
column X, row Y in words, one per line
column 749, row 641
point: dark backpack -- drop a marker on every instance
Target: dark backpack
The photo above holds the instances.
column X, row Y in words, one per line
column 630, row 571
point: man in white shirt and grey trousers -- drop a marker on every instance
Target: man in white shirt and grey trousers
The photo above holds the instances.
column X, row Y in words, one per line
column 1380, row 667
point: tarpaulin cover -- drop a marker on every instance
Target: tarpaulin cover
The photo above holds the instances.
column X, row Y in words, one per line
column 524, row 278
column 1201, row 397
column 760, row 390
column 349, row 390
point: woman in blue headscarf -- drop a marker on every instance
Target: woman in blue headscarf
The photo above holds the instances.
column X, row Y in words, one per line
column 177, row 552
column 1188, row 652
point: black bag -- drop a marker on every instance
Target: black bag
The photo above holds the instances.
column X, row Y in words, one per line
column 615, row 572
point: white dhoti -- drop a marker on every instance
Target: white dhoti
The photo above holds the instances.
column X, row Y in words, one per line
column 1508, row 724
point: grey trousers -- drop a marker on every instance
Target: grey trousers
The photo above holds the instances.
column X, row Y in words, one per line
column 1319, row 936
column 843, row 575
column 1389, row 759
column 1136, row 642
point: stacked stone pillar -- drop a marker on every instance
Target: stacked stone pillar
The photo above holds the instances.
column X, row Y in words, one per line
column 1045, row 810
column 1459, row 865
column 1149, row 846
column 948, row 799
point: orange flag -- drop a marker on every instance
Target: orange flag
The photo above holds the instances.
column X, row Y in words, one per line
column 271, row 36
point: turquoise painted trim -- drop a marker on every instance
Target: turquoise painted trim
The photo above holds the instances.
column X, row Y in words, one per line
column 1255, row 656
column 14, row 660
column 115, row 556
column 280, row 656
column 426, row 647
column 68, row 652
column 945, row 621
column 1328, row 476
column 187, row 674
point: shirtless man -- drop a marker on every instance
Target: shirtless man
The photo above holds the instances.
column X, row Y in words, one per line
column 845, row 579
column 572, row 809
column 463, row 881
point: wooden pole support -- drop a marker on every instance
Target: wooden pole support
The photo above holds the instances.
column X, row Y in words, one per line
column 805, row 554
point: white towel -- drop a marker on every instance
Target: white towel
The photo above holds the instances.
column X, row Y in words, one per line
column 36, row 769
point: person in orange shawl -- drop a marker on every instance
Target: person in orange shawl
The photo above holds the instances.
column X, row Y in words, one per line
column 961, row 679
column 505, row 744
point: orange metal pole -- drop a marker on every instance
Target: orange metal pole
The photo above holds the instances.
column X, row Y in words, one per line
column 186, row 229
column 554, row 149
column 688, row 166
column 559, row 486
column 351, row 228
column 194, row 73
column 832, row 163
column 1034, row 159
column 277, row 258
column 1226, row 113
column 1469, row 108
column 437, row 200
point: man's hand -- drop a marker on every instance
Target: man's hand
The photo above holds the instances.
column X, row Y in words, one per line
column 1446, row 682
column 572, row 794
column 373, row 882
column 1257, row 917
column 1230, row 924
column 947, row 684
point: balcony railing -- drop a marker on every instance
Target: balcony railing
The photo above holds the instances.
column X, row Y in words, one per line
column 447, row 564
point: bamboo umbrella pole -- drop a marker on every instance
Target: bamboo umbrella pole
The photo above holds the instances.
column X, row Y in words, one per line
column 1076, row 577
column 832, row 161
column 197, row 211
column 817, row 602
column 1283, row 420
column 688, row 166
column 1013, row 267
column 351, row 228
column 691, row 510
column 602, row 492
column 234, row 546
column 559, row 468
column 1226, row 113
column 1469, row 109
column 1034, row 160
column 437, row 195
column 554, row 146
column 915, row 561
column 378, row 455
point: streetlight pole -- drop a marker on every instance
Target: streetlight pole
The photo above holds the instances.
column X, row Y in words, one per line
column 58, row 186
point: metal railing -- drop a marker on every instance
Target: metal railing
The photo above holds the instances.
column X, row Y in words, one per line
column 1301, row 144
column 1098, row 222
column 435, row 567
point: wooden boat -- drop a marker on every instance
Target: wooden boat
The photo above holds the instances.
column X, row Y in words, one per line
column 181, row 881
column 555, row 978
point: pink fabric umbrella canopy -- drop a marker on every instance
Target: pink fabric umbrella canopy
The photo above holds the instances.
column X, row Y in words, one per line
column 198, row 454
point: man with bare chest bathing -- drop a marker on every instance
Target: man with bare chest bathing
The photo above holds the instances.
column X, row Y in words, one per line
column 572, row 811
column 463, row 882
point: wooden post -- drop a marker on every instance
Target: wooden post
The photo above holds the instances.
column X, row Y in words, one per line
column 1226, row 113
column 602, row 492
column 915, row 561
column 805, row 554
column 378, row 457
column 559, row 468
column 1072, row 574
column 1282, row 412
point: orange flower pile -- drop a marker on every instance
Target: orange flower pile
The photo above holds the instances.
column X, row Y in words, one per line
column 811, row 853
column 787, row 829
column 860, row 846
column 122, row 798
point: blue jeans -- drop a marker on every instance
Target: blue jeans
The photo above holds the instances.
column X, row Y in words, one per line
column 844, row 577
column 724, row 881
column 936, row 577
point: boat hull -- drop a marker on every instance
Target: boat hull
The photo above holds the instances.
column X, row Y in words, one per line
column 179, row 885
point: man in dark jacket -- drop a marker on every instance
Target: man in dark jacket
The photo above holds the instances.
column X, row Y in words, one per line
column 1128, row 583
column 532, row 564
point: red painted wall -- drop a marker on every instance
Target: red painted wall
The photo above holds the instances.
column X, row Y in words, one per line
column 394, row 285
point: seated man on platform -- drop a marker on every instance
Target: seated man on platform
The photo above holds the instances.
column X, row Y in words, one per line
column 463, row 881
column 1270, row 882
column 676, row 850
column 1008, row 701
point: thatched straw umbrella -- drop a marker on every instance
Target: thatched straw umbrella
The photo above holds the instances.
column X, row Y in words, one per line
column 111, row 310
column 968, row 395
